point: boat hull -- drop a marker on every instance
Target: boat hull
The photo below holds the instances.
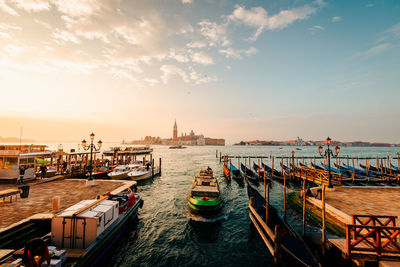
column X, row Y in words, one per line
column 212, row 204
column 120, row 176
column 97, row 250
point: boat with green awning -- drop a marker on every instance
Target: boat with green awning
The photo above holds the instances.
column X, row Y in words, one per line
column 204, row 193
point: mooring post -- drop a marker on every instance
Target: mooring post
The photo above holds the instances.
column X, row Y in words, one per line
column 220, row 155
column 277, row 245
column 265, row 189
column 160, row 165
column 348, row 161
column 293, row 164
column 323, row 221
column 267, row 205
column 152, row 168
column 284, row 198
column 389, row 164
column 304, row 207
column 216, row 153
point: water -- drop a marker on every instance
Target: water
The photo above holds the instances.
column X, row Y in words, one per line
column 167, row 234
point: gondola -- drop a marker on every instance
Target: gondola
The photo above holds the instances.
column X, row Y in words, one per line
column 227, row 171
column 292, row 245
column 315, row 166
column 269, row 169
column 249, row 174
column 259, row 171
column 236, row 174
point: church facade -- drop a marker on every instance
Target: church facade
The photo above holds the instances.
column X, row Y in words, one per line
column 191, row 139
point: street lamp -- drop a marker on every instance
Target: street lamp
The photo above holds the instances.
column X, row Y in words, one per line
column 92, row 147
column 329, row 153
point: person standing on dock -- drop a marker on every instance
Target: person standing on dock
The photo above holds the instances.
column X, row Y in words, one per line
column 21, row 175
column 43, row 170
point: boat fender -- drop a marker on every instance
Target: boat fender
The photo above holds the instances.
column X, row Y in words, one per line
column 204, row 198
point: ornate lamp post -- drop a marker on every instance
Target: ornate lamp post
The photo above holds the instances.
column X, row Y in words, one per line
column 92, row 147
column 329, row 153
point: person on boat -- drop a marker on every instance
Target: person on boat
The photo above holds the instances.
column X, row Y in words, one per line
column 21, row 175
column 148, row 166
column 43, row 170
column 35, row 253
column 209, row 169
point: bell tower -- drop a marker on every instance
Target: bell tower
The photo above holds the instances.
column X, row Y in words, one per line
column 175, row 132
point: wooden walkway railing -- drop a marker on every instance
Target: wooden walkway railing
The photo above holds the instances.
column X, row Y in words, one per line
column 317, row 176
column 377, row 234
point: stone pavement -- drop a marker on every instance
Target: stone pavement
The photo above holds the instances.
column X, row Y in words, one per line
column 40, row 197
column 365, row 200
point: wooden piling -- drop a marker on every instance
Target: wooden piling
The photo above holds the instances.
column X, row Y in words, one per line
column 267, row 204
column 152, row 168
column 220, row 155
column 323, row 221
column 159, row 163
column 277, row 245
column 304, row 207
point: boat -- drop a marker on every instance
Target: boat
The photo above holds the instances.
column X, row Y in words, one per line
column 227, row 171
column 249, row 174
column 292, row 244
column 259, row 171
column 121, row 171
column 177, row 147
column 277, row 174
column 83, row 233
column 236, row 174
column 204, row 194
column 140, row 173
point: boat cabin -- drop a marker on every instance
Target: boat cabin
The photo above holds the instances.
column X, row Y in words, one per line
column 78, row 226
column 12, row 157
column 205, row 186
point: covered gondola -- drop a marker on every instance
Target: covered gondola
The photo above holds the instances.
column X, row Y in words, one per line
column 292, row 245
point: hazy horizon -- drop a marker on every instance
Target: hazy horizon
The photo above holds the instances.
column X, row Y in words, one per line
column 238, row 70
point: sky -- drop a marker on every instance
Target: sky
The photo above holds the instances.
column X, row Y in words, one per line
column 239, row 70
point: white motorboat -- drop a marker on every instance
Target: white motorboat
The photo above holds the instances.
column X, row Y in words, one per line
column 140, row 173
column 121, row 172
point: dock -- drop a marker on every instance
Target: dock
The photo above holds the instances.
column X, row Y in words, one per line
column 369, row 216
column 40, row 197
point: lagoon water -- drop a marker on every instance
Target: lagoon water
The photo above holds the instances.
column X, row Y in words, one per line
column 167, row 234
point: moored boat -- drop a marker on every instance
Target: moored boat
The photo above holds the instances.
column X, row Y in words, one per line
column 121, row 172
column 236, row 174
column 140, row 173
column 227, row 171
column 292, row 244
column 204, row 194
column 82, row 234
column 249, row 174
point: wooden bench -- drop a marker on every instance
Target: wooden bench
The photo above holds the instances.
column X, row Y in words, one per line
column 9, row 193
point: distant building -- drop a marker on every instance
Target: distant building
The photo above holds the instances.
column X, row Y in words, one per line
column 191, row 139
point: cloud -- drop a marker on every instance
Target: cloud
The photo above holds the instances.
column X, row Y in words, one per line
column 187, row 1
column 173, row 70
column 215, row 33
column 6, row 8
column 32, row 5
column 316, row 28
column 202, row 58
column 394, row 31
column 78, row 8
column 237, row 54
column 336, row 19
column 65, row 36
column 377, row 49
column 257, row 17
column 369, row 5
